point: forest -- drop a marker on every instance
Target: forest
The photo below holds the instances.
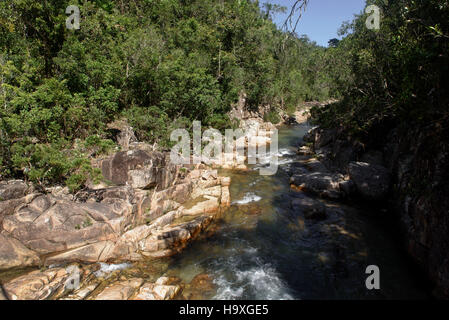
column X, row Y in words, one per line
column 158, row 64
column 161, row 64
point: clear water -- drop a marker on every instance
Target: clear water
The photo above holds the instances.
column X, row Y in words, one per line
column 262, row 249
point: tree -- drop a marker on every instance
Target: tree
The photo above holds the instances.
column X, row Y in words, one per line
column 158, row 64
column 298, row 8
column 333, row 42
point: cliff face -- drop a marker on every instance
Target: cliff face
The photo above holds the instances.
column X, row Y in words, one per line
column 415, row 174
column 419, row 162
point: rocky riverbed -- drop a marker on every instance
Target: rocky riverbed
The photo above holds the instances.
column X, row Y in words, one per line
column 396, row 177
column 147, row 208
column 151, row 209
column 294, row 235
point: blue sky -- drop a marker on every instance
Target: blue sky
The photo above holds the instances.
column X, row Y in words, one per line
column 322, row 18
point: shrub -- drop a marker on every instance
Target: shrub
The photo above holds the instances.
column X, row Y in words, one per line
column 46, row 165
column 272, row 116
column 97, row 146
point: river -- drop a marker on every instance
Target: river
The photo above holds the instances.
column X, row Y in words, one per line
column 261, row 248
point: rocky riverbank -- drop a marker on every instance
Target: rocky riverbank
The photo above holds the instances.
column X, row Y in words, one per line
column 149, row 208
column 146, row 208
column 405, row 175
column 58, row 284
column 111, row 241
column 109, row 224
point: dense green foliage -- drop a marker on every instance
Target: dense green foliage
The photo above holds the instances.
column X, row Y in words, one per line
column 161, row 64
column 158, row 63
column 394, row 76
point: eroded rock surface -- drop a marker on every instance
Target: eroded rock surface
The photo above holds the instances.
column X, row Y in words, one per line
column 122, row 290
column 125, row 222
column 36, row 285
column 13, row 189
column 14, row 254
column 139, row 169
column 161, row 290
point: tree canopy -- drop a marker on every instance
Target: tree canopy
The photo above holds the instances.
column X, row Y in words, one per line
column 159, row 64
column 394, row 76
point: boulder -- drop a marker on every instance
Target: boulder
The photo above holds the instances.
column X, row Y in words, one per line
column 37, row 285
column 158, row 240
column 14, row 254
column 8, row 207
column 161, row 202
column 225, row 197
column 314, row 165
column 310, row 135
column 324, row 137
column 171, row 239
column 127, row 247
column 347, row 187
column 125, row 193
column 299, row 117
column 168, row 218
column 323, row 184
column 139, row 169
column 105, row 223
column 47, row 225
column 225, row 181
column 122, row 133
column 122, row 290
column 372, row 181
column 202, row 192
column 13, row 189
column 304, row 151
column 158, row 291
